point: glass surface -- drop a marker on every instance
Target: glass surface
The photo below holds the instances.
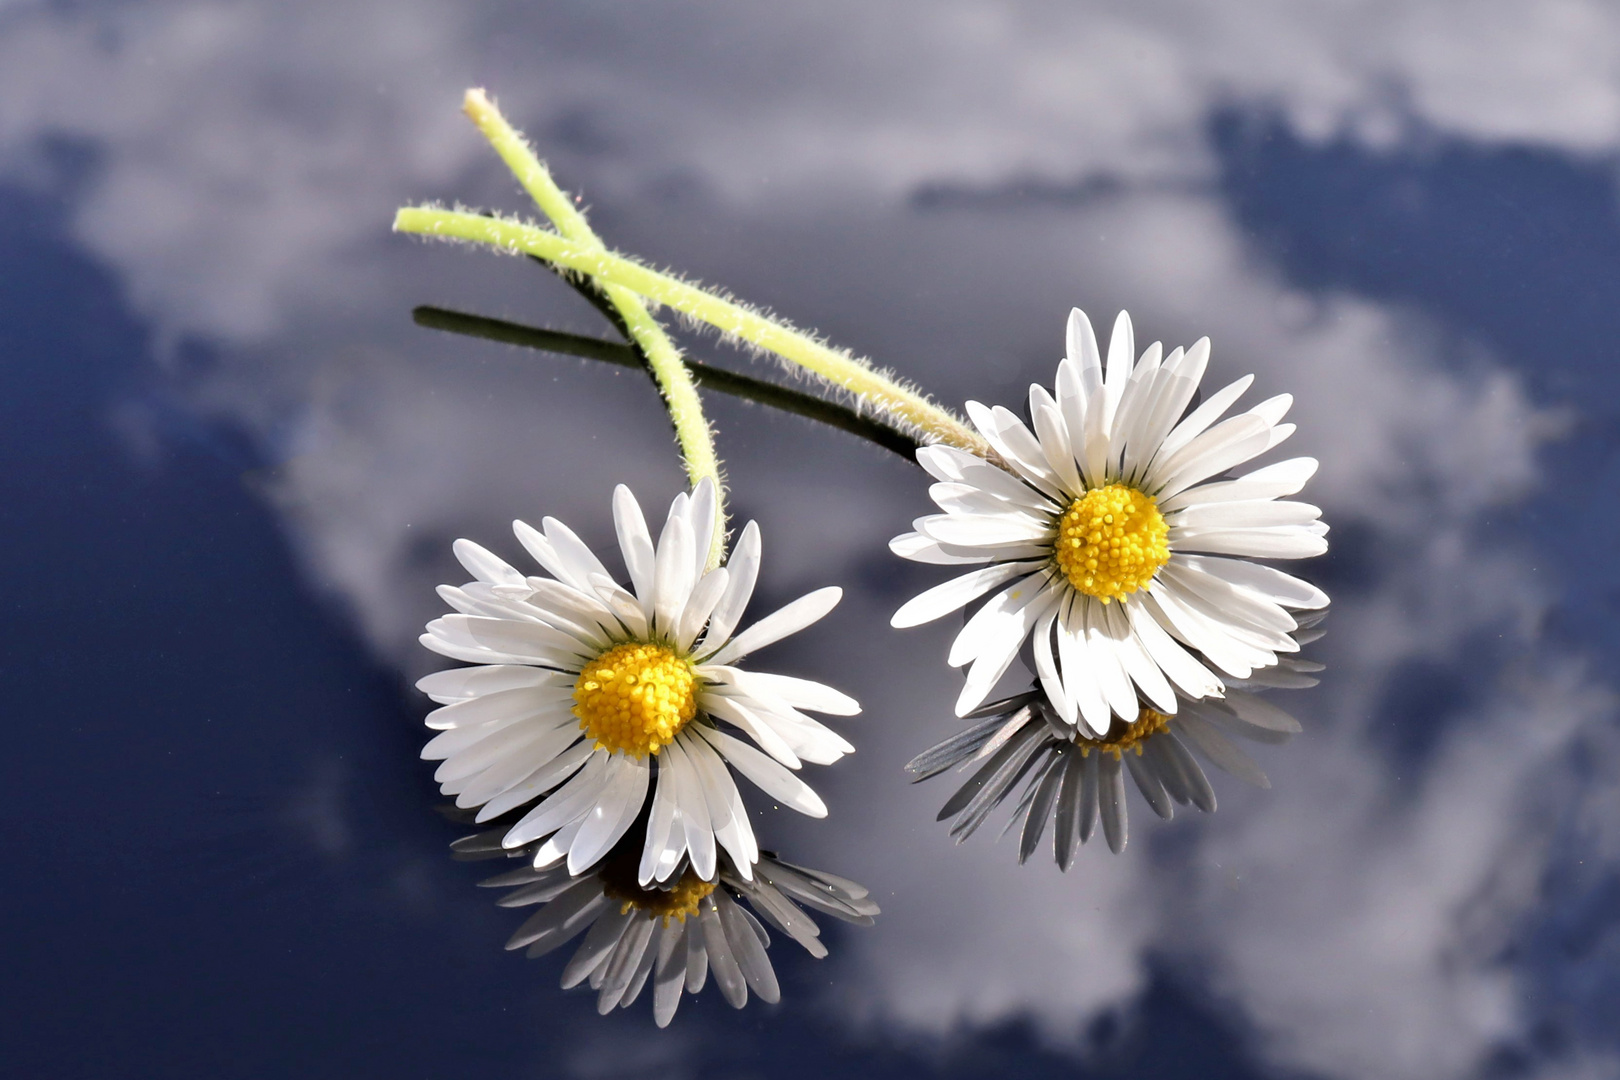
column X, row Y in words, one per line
column 233, row 467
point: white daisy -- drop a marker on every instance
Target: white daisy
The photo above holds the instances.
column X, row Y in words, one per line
column 1109, row 539
column 582, row 685
column 1072, row 779
column 672, row 936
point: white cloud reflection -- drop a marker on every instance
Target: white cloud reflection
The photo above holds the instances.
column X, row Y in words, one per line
column 247, row 158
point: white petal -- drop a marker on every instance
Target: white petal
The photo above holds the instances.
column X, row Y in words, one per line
column 1195, row 680
column 485, row 565
column 731, row 828
column 1238, row 605
column 694, row 811
column 708, row 593
column 996, row 481
column 700, row 515
column 538, row 782
column 786, row 620
column 1155, row 415
column 1179, row 383
column 473, row 654
column 635, row 541
column 945, row 462
column 534, row 641
column 457, row 684
column 672, row 575
column 1290, row 476
column 1133, row 657
column 1262, row 513
column 486, row 602
column 808, row 738
column 662, row 831
column 1121, row 357
column 449, row 743
column 738, row 712
column 1201, row 418
column 1046, row 669
column 1288, row 542
column 577, row 558
column 742, row 569
column 970, row 500
column 919, row 548
column 1281, row 588
column 567, row 804
column 1271, row 482
column 1211, row 639
column 555, row 849
column 541, row 551
column 765, row 774
column 554, row 598
column 1001, row 646
column 1054, row 438
column 1135, row 406
column 1233, row 618
column 1081, row 342
column 612, row 815
column 948, row 597
column 1211, row 452
column 1072, row 404
column 1111, row 678
column 535, row 761
column 800, row 693
column 1080, row 679
column 1273, row 409
column 985, row 529
column 520, row 701
column 1016, row 445
column 989, row 622
column 510, row 740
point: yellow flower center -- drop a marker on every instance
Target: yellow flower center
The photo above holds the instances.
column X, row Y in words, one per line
column 1111, row 541
column 676, row 902
column 635, row 698
column 1123, row 737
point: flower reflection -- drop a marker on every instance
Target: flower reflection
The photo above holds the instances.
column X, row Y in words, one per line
column 672, row 935
column 1068, row 777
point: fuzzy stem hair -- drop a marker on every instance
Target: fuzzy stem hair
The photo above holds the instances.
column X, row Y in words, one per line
column 692, row 431
column 907, row 407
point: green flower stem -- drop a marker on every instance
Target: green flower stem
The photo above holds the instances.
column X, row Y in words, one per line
column 841, row 370
column 758, row 391
column 675, row 383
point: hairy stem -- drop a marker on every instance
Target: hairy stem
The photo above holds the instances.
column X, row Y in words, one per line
column 680, row 395
column 839, row 369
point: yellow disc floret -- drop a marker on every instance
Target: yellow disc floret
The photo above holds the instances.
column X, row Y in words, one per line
column 1111, row 541
column 1123, row 737
column 635, row 698
column 676, row 902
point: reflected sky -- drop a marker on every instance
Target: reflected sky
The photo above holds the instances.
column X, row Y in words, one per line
column 235, row 466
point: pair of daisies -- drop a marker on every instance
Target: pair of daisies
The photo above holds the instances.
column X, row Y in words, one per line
column 1108, row 537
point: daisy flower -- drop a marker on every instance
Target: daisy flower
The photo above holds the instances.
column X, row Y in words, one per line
column 1109, row 538
column 1067, row 776
column 583, row 685
column 674, row 935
